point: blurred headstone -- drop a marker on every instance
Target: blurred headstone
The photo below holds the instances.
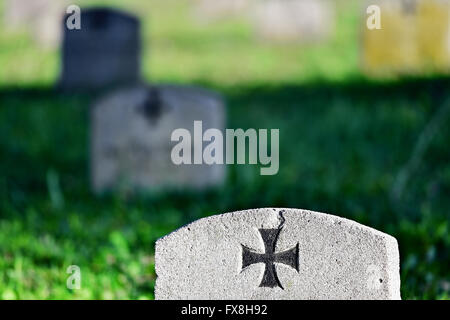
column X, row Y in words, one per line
column 131, row 137
column 42, row 18
column 414, row 37
column 276, row 254
column 434, row 33
column 104, row 52
column 294, row 20
column 213, row 10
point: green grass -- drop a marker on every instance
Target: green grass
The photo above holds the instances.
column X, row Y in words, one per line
column 343, row 141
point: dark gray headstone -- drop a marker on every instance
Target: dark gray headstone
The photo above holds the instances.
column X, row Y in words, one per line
column 104, row 52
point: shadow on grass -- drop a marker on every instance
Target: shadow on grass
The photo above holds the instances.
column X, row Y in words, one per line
column 43, row 128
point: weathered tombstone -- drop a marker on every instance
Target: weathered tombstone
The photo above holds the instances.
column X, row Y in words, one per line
column 131, row 138
column 433, row 32
column 41, row 18
column 213, row 10
column 414, row 37
column 276, row 254
column 104, row 52
column 294, row 20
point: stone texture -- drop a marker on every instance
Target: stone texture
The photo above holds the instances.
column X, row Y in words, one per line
column 131, row 137
column 104, row 53
column 414, row 38
column 336, row 258
column 41, row 18
column 294, row 20
column 213, row 10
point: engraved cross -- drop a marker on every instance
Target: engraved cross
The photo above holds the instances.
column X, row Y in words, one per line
column 269, row 258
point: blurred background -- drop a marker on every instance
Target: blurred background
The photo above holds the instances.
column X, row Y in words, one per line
column 364, row 134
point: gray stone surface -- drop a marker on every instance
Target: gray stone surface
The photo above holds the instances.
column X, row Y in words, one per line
column 105, row 52
column 214, row 10
column 324, row 257
column 131, row 137
column 294, row 20
column 41, row 18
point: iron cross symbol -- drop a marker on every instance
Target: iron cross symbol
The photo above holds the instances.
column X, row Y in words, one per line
column 269, row 258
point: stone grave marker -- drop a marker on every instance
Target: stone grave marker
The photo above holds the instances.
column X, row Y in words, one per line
column 294, row 20
column 433, row 32
column 214, row 10
column 276, row 254
column 41, row 18
column 414, row 37
column 131, row 137
column 104, row 52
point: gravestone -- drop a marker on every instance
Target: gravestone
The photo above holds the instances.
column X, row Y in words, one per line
column 433, row 32
column 41, row 18
column 105, row 52
column 131, row 137
column 294, row 20
column 414, row 37
column 276, row 254
column 213, row 10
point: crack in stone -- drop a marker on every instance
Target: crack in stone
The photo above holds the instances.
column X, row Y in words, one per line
column 281, row 218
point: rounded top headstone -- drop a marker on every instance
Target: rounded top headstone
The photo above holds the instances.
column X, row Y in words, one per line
column 272, row 253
